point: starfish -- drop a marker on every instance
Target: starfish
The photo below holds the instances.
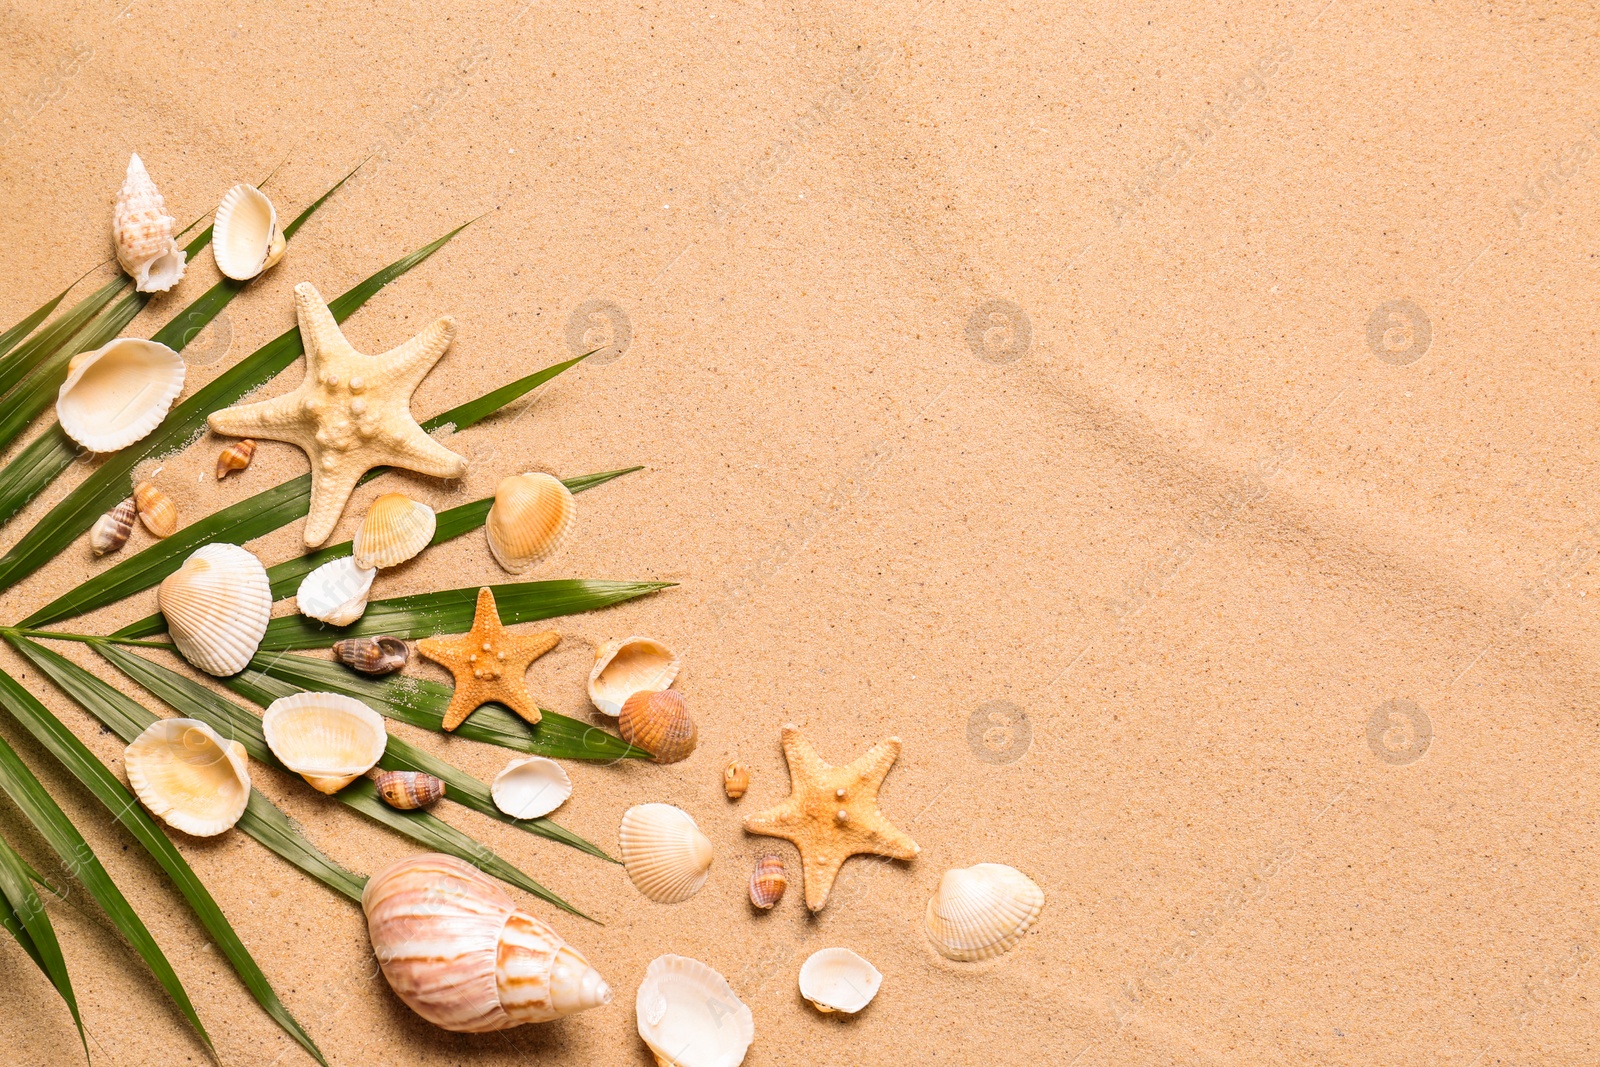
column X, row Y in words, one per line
column 832, row 812
column 351, row 412
column 488, row 662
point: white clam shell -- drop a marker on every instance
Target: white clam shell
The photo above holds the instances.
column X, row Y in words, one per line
column 531, row 518
column 327, row 738
column 245, row 238
column 664, row 852
column 454, row 947
column 142, row 231
column 217, row 607
column 836, row 979
column 634, row 665
column 394, row 530
column 189, row 777
column 981, row 912
column 690, row 1017
column 117, row 394
column 531, row 787
column 336, row 592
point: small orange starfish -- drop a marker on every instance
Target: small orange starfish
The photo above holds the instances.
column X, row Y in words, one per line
column 832, row 812
column 488, row 662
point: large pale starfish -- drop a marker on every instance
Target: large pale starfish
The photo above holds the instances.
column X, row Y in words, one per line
column 832, row 812
column 351, row 412
column 488, row 662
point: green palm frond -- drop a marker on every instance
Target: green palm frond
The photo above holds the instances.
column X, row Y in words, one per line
column 19, row 362
column 9, row 339
column 24, row 915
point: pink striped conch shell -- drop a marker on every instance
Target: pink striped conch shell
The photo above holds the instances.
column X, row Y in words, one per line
column 455, row 948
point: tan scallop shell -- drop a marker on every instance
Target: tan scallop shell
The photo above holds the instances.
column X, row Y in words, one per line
column 660, row 724
column 217, row 607
column 245, row 239
column 142, row 231
column 531, row 787
column 336, row 592
column 189, row 777
column 836, row 979
column 118, row 393
column 690, row 1017
column 530, row 519
column 664, row 852
column 623, row 668
column 981, row 912
column 328, row 739
column 395, row 529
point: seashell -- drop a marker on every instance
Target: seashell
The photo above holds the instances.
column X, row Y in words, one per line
column 981, row 912
column 156, row 510
column 189, row 777
column 118, row 393
column 454, row 947
column 408, row 790
column 836, row 979
column 664, row 852
column 336, row 592
column 217, row 607
column 690, row 1016
column 623, row 668
column 659, row 724
column 395, row 529
column 328, row 739
column 530, row 519
column 735, row 780
column 531, row 787
column 245, row 239
column 110, row 531
column 768, row 881
column 372, row 655
column 236, row 457
column 142, row 231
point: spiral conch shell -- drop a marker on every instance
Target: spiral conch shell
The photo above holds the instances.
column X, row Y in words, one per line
column 217, row 607
column 118, row 393
column 245, row 238
column 111, row 530
column 981, row 912
column 531, row 518
column 623, row 668
column 454, row 947
column 690, row 1017
column 142, row 231
column 328, row 739
column 189, row 777
column 664, row 852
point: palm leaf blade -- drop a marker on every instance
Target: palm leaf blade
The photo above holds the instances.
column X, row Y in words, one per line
column 16, row 886
column 18, row 362
column 9, row 339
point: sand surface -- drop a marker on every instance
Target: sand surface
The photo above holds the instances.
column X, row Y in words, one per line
column 1213, row 385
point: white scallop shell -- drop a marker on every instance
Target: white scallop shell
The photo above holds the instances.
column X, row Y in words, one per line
column 336, row 592
column 531, row 518
column 217, row 607
column 117, row 394
column 245, row 238
column 142, row 232
column 664, row 852
column 836, row 979
column 623, row 668
column 531, row 787
column 690, row 1017
column 327, row 738
column 189, row 777
column 981, row 912
column 395, row 529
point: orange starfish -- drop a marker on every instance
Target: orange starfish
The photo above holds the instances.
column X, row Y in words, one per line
column 832, row 812
column 488, row 662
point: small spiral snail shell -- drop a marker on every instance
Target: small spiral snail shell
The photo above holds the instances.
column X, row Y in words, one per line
column 735, row 780
column 408, row 790
column 768, row 881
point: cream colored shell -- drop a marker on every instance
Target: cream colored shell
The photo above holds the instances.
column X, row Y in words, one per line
column 118, row 393
column 217, row 607
column 981, row 912
column 664, row 852
column 690, row 1017
column 531, row 787
column 837, row 979
column 530, row 519
column 336, row 592
column 142, row 232
column 623, row 668
column 189, row 777
column 395, row 529
column 327, row 738
column 245, row 239
column 454, row 947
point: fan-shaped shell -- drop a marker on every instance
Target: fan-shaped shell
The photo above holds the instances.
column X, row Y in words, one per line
column 217, row 607
column 336, row 592
column 395, row 529
column 327, row 738
column 664, row 852
column 660, row 724
column 690, row 1017
column 454, row 947
column 118, row 393
column 623, row 668
column 142, row 231
column 836, row 979
column 245, row 238
column 981, row 912
column 530, row 519
column 531, row 787
column 189, row 777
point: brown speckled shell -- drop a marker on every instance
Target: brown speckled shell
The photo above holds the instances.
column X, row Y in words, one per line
column 236, row 457
column 735, row 780
column 408, row 790
column 110, row 531
column 768, row 881
column 372, row 655
column 660, row 724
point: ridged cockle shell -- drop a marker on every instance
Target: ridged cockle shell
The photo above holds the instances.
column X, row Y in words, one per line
column 659, row 723
column 395, row 529
column 981, row 912
column 245, row 238
column 623, row 668
column 664, row 852
column 143, row 233
column 188, row 776
column 690, row 1017
column 531, row 517
column 217, row 607
column 454, row 947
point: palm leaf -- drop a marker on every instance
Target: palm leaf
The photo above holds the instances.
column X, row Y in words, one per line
column 17, row 363
column 37, row 935
column 110, row 483
column 64, row 745
column 9, row 339
column 125, row 717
